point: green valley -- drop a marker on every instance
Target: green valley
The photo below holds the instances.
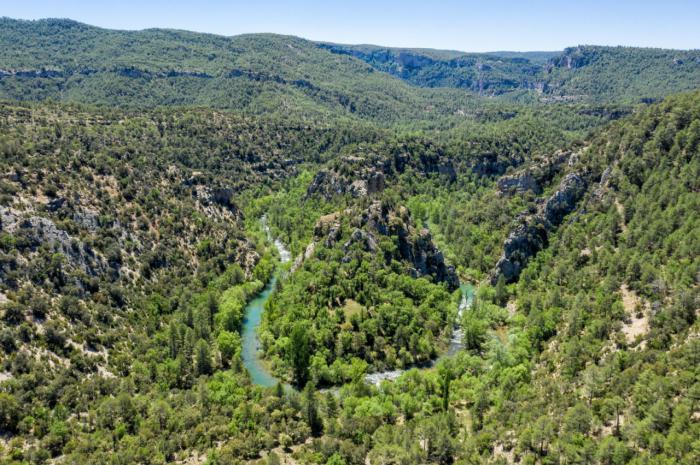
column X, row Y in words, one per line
column 262, row 249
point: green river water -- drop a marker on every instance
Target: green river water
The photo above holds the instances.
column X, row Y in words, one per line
column 259, row 372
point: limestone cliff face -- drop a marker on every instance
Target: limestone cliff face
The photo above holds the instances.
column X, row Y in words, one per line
column 572, row 58
column 531, row 237
column 33, row 232
column 539, row 172
column 351, row 230
column 366, row 175
column 519, row 184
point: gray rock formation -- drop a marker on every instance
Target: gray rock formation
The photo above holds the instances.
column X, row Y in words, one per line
column 221, row 196
column 520, row 184
column 362, row 176
column 415, row 248
column 531, row 236
column 328, row 184
column 36, row 231
column 539, row 172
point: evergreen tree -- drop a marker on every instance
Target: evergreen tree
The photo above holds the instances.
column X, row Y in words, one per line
column 300, row 354
column 203, row 364
column 501, row 293
column 311, row 410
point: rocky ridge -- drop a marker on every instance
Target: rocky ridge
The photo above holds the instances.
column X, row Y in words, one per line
column 532, row 234
column 367, row 174
column 414, row 247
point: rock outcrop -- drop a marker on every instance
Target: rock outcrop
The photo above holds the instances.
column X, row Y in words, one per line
column 539, row 172
column 520, row 184
column 413, row 247
column 564, row 200
column 33, row 232
column 531, row 236
column 490, row 164
column 366, row 175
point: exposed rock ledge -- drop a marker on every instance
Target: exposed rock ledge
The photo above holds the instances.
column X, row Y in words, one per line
column 415, row 247
column 531, row 237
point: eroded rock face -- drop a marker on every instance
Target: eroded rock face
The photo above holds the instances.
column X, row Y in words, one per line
column 508, row 185
column 489, row 164
column 220, row 196
column 362, row 176
column 247, row 256
column 327, row 184
column 531, row 237
column 35, row 231
column 328, row 228
column 414, row 247
column 429, row 260
column 572, row 58
column 540, row 172
column 412, row 60
column 522, row 243
column 563, row 201
column 358, row 236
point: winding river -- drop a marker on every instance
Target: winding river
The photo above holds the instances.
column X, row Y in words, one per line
column 455, row 342
column 259, row 372
column 250, row 352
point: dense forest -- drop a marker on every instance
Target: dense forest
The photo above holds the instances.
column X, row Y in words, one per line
column 266, row 73
column 494, row 257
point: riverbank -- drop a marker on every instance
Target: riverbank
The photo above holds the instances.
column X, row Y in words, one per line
column 259, row 371
column 456, row 343
column 250, row 344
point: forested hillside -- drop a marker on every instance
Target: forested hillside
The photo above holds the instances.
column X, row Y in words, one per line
column 454, row 258
column 591, row 357
column 266, row 73
column 258, row 73
column 583, row 73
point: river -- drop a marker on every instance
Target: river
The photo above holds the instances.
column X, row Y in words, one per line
column 250, row 352
column 456, row 343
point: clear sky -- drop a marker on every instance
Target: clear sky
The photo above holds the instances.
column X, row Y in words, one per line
column 486, row 25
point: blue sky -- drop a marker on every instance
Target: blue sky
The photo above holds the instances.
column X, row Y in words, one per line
column 460, row 25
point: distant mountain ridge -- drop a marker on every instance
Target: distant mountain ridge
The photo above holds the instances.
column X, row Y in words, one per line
column 61, row 59
column 582, row 73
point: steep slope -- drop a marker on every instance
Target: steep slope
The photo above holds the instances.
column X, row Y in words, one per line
column 130, row 243
column 592, row 357
column 66, row 60
column 126, row 257
column 584, row 73
column 370, row 287
column 612, row 304
column 266, row 73
column 485, row 74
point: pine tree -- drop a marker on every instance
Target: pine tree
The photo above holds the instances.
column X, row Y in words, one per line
column 173, row 339
column 311, row 410
column 202, row 358
column 445, row 379
column 300, row 354
column 501, row 294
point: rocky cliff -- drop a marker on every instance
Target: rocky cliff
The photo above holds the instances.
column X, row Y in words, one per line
column 362, row 175
column 363, row 232
column 539, row 172
column 531, row 236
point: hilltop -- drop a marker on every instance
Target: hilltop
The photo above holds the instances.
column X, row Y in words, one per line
column 266, row 73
